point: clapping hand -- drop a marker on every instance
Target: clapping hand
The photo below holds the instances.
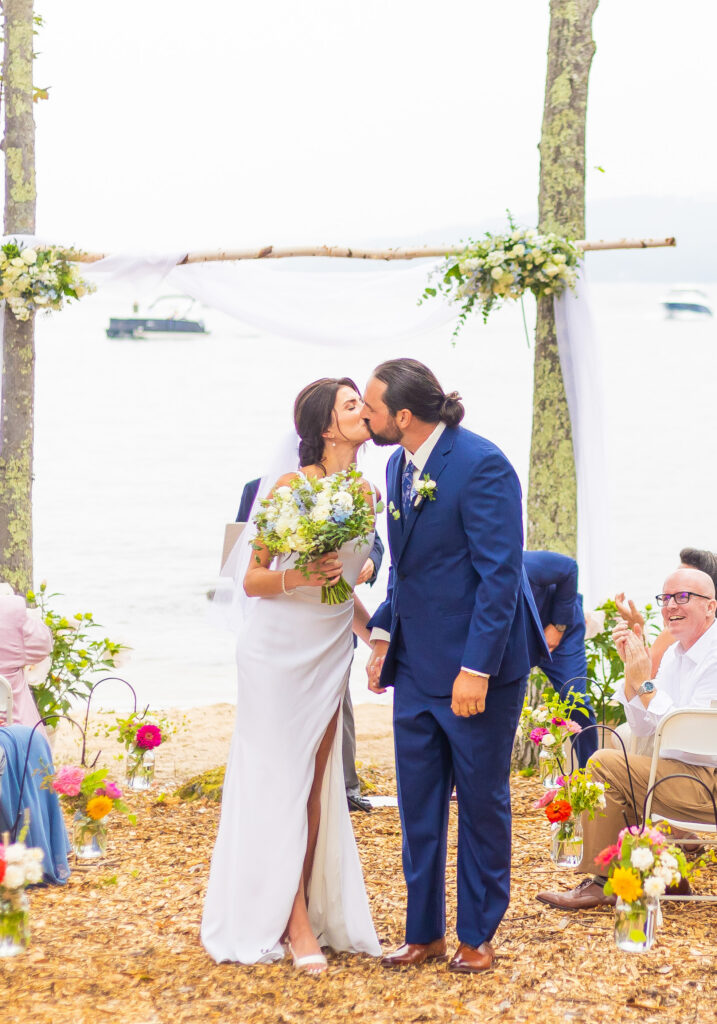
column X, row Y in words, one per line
column 622, row 632
column 629, row 612
column 638, row 668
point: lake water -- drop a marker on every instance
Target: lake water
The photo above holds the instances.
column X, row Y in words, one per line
column 143, row 447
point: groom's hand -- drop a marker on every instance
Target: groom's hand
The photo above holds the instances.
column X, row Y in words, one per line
column 469, row 694
column 375, row 664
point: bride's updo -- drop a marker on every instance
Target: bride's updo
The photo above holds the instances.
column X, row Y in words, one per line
column 313, row 414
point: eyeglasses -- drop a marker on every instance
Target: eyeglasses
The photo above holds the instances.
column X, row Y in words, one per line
column 681, row 598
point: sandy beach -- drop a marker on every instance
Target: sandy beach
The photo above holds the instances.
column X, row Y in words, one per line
column 202, row 739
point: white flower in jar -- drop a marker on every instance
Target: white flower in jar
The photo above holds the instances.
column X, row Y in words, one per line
column 14, row 876
column 641, row 858
column 654, row 886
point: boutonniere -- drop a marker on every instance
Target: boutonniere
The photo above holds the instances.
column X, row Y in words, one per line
column 393, row 511
column 426, row 488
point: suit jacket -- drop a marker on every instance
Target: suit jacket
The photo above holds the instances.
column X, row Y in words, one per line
column 247, row 500
column 554, row 582
column 458, row 594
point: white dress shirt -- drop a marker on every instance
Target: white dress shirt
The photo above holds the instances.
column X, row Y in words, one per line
column 419, row 458
column 685, row 679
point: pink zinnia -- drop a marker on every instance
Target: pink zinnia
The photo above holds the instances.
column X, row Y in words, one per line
column 657, row 838
column 558, row 721
column 572, row 726
column 110, row 790
column 537, row 734
column 606, row 855
column 67, row 781
column 148, row 736
column 546, row 799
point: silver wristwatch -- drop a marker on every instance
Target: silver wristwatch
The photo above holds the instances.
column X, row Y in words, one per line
column 647, row 687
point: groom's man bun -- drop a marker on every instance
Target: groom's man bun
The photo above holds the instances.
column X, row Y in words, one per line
column 411, row 385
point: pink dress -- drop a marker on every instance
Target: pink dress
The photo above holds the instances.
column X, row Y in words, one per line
column 24, row 640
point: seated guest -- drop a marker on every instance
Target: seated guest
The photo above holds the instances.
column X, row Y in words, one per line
column 24, row 640
column 554, row 582
column 690, row 558
column 368, row 574
column 687, row 678
column 47, row 826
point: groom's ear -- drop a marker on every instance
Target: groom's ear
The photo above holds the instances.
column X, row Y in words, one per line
column 404, row 418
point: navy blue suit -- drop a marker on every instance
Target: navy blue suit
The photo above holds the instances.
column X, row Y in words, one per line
column 458, row 596
column 554, row 582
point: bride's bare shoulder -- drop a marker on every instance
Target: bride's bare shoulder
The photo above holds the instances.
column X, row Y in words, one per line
column 285, row 480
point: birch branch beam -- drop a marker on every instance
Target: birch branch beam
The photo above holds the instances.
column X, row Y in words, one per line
column 271, row 252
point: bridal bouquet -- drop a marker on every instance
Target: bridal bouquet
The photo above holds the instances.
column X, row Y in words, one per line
column 311, row 517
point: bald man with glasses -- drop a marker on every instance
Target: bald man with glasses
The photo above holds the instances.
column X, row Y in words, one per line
column 687, row 678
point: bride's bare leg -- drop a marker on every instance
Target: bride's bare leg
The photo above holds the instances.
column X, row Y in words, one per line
column 303, row 940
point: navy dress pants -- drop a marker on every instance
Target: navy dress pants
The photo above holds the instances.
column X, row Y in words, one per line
column 435, row 749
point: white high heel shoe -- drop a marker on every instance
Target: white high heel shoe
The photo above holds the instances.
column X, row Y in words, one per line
column 314, row 963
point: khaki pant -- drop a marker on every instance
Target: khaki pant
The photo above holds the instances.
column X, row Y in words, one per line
column 678, row 798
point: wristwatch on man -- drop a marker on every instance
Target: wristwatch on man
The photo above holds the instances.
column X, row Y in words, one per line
column 647, row 687
column 560, row 629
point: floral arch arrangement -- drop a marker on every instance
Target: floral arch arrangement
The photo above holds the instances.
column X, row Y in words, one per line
column 38, row 278
column 501, row 267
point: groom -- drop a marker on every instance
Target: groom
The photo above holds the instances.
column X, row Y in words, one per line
column 455, row 637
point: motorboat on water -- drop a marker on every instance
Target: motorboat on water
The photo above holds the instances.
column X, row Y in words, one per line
column 167, row 317
column 686, row 298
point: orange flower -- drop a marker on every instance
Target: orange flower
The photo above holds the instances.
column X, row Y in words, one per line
column 98, row 807
column 626, row 884
column 559, row 810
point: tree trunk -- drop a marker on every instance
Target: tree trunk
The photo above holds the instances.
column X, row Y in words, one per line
column 18, row 364
column 552, row 492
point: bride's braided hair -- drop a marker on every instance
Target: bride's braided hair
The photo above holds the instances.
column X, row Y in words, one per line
column 313, row 414
column 411, row 385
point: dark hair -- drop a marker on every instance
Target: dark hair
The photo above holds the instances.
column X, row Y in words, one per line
column 313, row 412
column 696, row 558
column 411, row 385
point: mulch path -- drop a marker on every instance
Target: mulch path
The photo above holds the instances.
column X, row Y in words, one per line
column 121, row 943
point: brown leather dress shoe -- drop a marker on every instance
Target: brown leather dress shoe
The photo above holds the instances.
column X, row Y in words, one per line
column 585, row 896
column 472, row 959
column 411, row 954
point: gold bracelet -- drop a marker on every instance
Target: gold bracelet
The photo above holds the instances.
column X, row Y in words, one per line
column 289, row 593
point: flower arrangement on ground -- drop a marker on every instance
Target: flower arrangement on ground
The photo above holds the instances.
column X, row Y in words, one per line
column 548, row 726
column 641, row 865
column 310, row 517
column 76, row 656
column 501, row 267
column 141, row 737
column 575, row 793
column 92, row 798
column 38, row 278
column 20, row 866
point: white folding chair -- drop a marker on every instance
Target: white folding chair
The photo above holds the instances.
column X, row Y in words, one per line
column 5, row 700
column 693, row 730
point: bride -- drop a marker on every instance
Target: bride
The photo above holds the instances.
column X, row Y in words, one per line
column 285, row 867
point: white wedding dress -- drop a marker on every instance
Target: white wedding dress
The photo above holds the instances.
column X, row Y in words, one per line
column 293, row 660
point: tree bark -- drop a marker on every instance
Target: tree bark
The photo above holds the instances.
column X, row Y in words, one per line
column 552, row 491
column 18, row 364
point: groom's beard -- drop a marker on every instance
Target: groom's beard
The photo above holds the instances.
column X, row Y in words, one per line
column 394, row 437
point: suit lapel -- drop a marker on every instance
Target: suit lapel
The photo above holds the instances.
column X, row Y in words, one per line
column 434, row 467
column 393, row 480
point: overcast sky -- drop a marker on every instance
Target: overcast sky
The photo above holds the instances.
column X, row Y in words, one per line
column 184, row 124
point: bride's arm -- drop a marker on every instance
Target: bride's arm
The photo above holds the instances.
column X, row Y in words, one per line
column 261, row 581
column 361, row 618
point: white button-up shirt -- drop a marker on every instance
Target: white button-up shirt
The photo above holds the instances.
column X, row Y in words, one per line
column 685, row 679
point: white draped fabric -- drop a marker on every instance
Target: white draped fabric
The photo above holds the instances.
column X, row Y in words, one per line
column 335, row 306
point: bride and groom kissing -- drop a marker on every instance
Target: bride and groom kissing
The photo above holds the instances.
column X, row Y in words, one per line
column 455, row 638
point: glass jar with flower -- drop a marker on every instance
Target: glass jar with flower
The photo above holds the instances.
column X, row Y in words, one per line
column 549, row 726
column 641, row 865
column 140, row 738
column 92, row 798
column 20, row 866
column 564, row 806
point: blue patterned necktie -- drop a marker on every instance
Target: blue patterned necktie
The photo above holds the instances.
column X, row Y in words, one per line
column 407, row 489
